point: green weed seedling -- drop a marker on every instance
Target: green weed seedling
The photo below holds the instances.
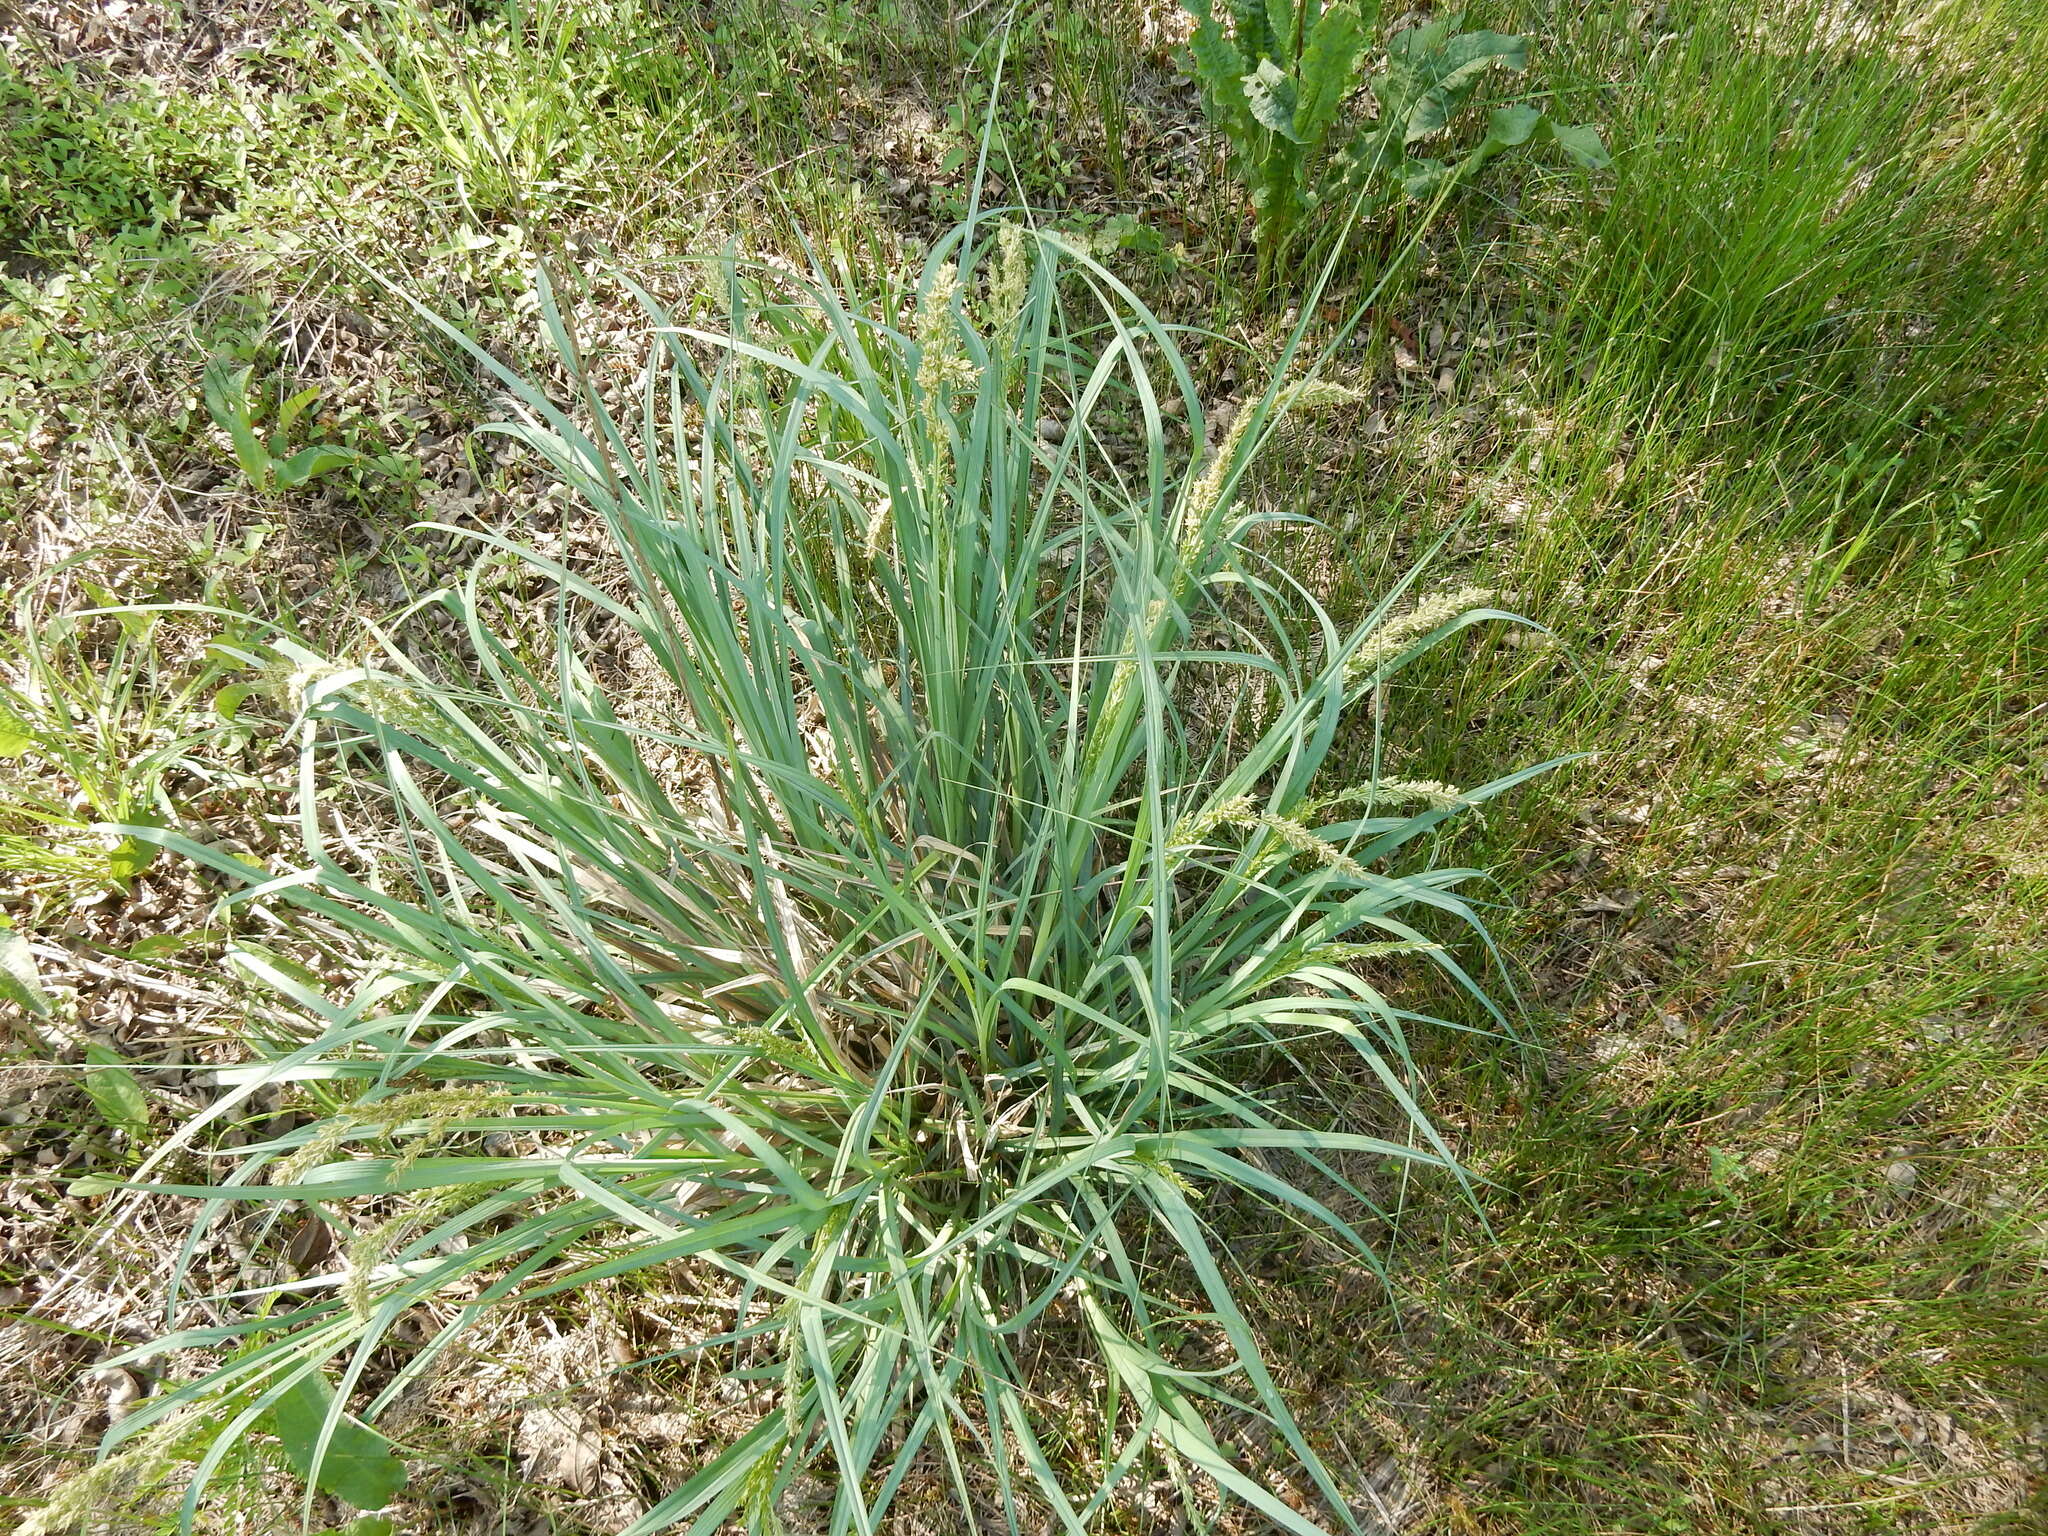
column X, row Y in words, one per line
column 267, row 459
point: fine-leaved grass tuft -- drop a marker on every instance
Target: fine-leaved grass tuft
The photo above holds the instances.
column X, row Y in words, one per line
column 930, row 957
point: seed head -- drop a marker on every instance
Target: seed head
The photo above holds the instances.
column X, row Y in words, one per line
column 1397, row 636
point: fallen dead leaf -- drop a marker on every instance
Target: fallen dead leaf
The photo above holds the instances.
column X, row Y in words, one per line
column 561, row 1446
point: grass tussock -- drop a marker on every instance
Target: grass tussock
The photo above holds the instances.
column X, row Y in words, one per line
column 1750, row 422
column 913, row 959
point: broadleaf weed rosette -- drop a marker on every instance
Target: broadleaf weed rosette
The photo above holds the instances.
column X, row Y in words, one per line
column 908, row 958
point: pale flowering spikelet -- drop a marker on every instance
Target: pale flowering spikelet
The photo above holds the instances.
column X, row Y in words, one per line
column 290, row 684
column 1207, row 492
column 1341, row 954
column 321, row 1149
column 940, row 364
column 881, row 522
column 1433, row 793
column 1243, row 811
column 367, row 1253
column 1299, row 839
column 1010, row 280
column 941, row 368
column 1127, row 669
column 119, row 1484
column 397, row 704
column 934, row 316
column 435, row 1108
column 1397, row 636
column 365, row 1256
column 1319, row 395
column 1236, row 810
